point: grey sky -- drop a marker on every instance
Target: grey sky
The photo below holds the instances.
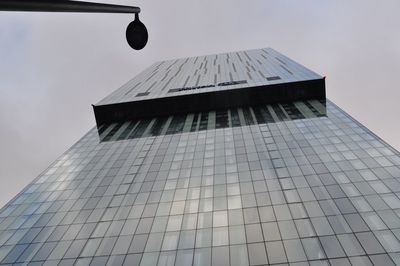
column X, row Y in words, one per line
column 53, row 66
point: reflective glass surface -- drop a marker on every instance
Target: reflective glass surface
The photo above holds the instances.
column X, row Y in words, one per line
column 280, row 184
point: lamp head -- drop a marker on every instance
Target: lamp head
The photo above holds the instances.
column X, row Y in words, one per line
column 136, row 34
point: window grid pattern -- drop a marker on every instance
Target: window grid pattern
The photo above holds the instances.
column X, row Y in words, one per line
column 314, row 191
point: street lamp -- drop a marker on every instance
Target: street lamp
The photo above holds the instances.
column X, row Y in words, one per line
column 136, row 32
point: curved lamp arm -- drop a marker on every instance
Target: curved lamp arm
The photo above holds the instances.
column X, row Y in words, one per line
column 136, row 33
column 64, row 6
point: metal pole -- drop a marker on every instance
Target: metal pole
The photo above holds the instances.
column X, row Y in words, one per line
column 64, row 6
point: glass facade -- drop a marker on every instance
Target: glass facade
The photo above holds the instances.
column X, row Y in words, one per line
column 316, row 190
column 289, row 183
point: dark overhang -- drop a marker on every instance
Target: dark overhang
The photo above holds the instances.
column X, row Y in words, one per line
column 210, row 100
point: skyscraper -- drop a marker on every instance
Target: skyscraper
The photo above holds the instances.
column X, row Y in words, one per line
column 228, row 159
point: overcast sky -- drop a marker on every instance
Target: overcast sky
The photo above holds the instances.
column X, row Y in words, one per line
column 54, row 66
